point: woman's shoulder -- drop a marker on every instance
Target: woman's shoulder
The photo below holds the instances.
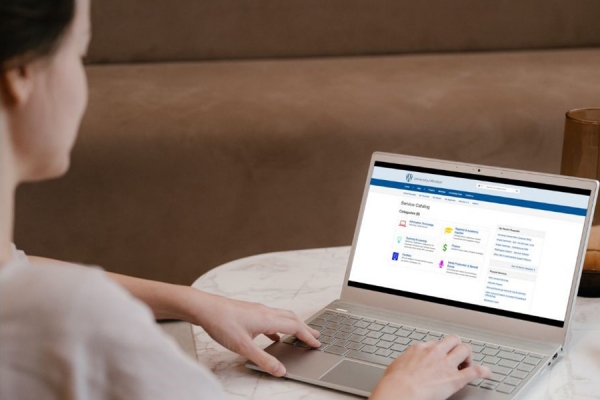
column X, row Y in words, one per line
column 58, row 293
column 78, row 317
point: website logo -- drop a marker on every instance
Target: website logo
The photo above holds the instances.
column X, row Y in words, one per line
column 409, row 177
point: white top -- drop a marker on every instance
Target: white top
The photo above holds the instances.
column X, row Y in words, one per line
column 69, row 332
column 305, row 281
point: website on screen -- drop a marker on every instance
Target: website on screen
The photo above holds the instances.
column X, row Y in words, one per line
column 497, row 246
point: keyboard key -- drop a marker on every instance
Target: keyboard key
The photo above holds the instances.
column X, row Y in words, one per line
column 519, row 374
column 347, row 328
column 336, row 350
column 521, row 352
column 325, row 339
column 341, row 343
column 489, row 352
column 478, row 357
column 361, row 324
column 497, row 377
column 321, row 347
column 361, row 331
column 370, row 341
column 477, row 348
column 369, row 349
column 531, row 360
column 403, row 340
column 511, row 356
column 403, row 332
column 536, row 355
column 369, row 320
column 375, row 327
column 334, row 325
column 389, row 338
column 505, row 349
column 398, row 347
column 341, row 335
column 430, row 338
column 383, row 352
column 498, row 369
column 384, row 344
column 328, row 332
column 508, row 389
column 512, row 381
column 525, row 367
column 373, row 358
column 318, row 322
column 336, row 318
column 354, row 338
column 491, row 360
column 417, row 336
column 354, row 346
column 464, row 340
column 389, row 330
column 508, row 363
column 476, row 382
column 408, row 328
column 476, row 343
column 317, row 327
column 487, row 384
column 349, row 321
column 374, row 335
column 395, row 354
column 492, row 346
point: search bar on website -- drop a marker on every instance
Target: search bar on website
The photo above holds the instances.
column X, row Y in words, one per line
column 497, row 188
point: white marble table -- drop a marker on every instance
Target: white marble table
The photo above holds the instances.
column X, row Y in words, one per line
column 305, row 281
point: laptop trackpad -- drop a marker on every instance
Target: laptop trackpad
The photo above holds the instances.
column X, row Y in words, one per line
column 355, row 375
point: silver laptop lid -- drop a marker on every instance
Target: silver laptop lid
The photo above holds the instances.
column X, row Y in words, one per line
column 490, row 248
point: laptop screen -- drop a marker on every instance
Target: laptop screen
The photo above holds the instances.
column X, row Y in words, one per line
column 487, row 244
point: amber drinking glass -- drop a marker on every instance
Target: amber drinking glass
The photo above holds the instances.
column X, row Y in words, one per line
column 581, row 157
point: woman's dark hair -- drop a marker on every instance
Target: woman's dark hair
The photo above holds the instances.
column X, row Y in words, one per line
column 31, row 29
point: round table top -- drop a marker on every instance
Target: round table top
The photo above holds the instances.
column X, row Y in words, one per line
column 305, row 281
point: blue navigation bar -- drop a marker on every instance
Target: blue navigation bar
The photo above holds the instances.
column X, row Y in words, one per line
column 480, row 197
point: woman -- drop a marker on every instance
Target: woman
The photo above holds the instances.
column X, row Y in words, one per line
column 72, row 332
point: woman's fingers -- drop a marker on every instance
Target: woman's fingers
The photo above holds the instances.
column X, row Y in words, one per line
column 461, row 355
column 473, row 372
column 448, row 343
column 273, row 336
column 265, row 361
column 294, row 326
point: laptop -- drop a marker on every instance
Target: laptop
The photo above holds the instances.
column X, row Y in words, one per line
column 493, row 255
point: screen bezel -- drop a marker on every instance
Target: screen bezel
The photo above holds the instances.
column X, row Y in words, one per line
column 478, row 317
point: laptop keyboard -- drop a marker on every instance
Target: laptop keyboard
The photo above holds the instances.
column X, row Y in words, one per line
column 381, row 342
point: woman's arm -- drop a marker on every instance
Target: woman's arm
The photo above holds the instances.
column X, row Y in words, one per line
column 167, row 301
column 234, row 324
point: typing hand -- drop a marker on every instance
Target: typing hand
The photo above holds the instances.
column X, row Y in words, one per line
column 234, row 324
column 430, row 371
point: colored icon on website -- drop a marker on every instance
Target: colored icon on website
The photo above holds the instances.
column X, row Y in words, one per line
column 441, row 264
column 448, row 230
column 444, row 247
column 395, row 256
column 399, row 239
column 402, row 223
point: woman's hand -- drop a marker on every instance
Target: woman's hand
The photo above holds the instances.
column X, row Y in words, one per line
column 430, row 371
column 234, row 324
